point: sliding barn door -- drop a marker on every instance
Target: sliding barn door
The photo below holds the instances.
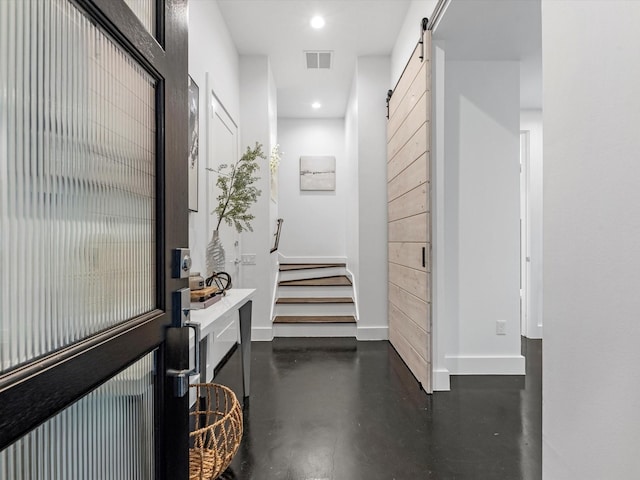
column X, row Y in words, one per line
column 408, row 150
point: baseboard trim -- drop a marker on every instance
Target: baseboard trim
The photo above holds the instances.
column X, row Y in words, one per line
column 314, row 330
column 372, row 333
column 484, row 365
column 261, row 334
column 441, row 380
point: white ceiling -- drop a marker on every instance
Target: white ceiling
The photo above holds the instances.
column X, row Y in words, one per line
column 281, row 30
column 471, row 29
column 497, row 30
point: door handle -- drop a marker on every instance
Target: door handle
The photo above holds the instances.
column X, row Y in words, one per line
column 196, row 362
column 196, row 369
column 181, row 317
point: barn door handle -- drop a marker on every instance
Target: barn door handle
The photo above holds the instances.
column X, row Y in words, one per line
column 424, row 256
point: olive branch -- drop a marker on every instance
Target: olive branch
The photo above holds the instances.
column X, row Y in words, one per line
column 237, row 192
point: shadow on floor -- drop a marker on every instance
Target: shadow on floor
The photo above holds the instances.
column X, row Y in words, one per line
column 338, row 409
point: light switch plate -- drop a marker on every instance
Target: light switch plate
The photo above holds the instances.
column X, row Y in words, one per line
column 501, row 327
column 249, row 259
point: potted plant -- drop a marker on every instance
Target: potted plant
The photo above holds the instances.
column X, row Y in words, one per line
column 237, row 193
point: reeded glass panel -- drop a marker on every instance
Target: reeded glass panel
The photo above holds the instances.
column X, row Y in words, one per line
column 107, row 435
column 77, row 180
column 145, row 10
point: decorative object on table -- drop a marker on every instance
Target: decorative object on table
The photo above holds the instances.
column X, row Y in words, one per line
column 217, row 433
column 215, row 254
column 237, row 194
column 276, row 235
column 274, row 163
column 318, row 173
column 196, row 281
column 206, row 303
column 194, row 143
column 220, row 280
column 205, row 297
column 204, row 293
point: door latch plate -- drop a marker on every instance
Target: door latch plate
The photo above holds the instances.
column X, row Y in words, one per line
column 181, row 263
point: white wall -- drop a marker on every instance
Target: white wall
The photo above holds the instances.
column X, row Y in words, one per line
column 440, row 325
column 372, row 79
column 482, row 217
column 273, row 202
column 210, row 50
column 273, row 141
column 315, row 222
column 531, row 121
column 408, row 36
column 256, row 109
column 591, row 105
column 353, row 209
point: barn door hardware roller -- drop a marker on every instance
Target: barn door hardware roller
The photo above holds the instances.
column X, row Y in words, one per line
column 389, row 94
column 423, row 28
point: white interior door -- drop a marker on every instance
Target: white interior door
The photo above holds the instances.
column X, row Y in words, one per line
column 222, row 149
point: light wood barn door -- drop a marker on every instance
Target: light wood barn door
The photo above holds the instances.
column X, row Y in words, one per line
column 408, row 188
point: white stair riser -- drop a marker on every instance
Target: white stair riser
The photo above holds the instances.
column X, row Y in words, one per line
column 312, row 273
column 316, row 309
column 315, row 291
column 314, row 330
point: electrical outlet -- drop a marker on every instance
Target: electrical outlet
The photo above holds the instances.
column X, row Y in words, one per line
column 501, row 327
column 249, row 259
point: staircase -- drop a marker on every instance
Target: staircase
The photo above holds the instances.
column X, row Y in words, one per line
column 314, row 299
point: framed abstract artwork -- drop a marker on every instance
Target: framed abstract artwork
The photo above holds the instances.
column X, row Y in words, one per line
column 318, row 173
column 194, row 143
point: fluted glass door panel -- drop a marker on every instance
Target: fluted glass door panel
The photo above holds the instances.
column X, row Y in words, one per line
column 106, row 435
column 145, row 10
column 77, row 181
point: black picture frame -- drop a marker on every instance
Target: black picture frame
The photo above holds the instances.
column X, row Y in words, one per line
column 194, row 143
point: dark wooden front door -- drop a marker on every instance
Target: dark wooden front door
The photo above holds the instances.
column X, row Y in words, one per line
column 93, row 200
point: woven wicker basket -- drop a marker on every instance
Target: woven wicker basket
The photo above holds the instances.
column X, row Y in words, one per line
column 217, row 433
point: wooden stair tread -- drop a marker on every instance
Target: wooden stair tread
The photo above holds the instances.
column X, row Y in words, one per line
column 296, row 300
column 315, row 319
column 288, row 267
column 335, row 281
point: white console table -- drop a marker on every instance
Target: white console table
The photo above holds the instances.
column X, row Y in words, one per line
column 221, row 326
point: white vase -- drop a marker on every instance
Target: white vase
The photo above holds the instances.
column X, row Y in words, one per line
column 215, row 255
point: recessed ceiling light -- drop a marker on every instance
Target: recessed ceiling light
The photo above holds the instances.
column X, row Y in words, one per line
column 317, row 22
column 316, row 105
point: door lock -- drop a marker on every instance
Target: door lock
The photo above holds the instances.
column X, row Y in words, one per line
column 181, row 263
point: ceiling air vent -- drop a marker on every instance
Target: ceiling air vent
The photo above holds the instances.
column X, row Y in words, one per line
column 317, row 60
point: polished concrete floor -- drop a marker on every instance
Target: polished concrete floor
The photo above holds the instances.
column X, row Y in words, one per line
column 337, row 409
